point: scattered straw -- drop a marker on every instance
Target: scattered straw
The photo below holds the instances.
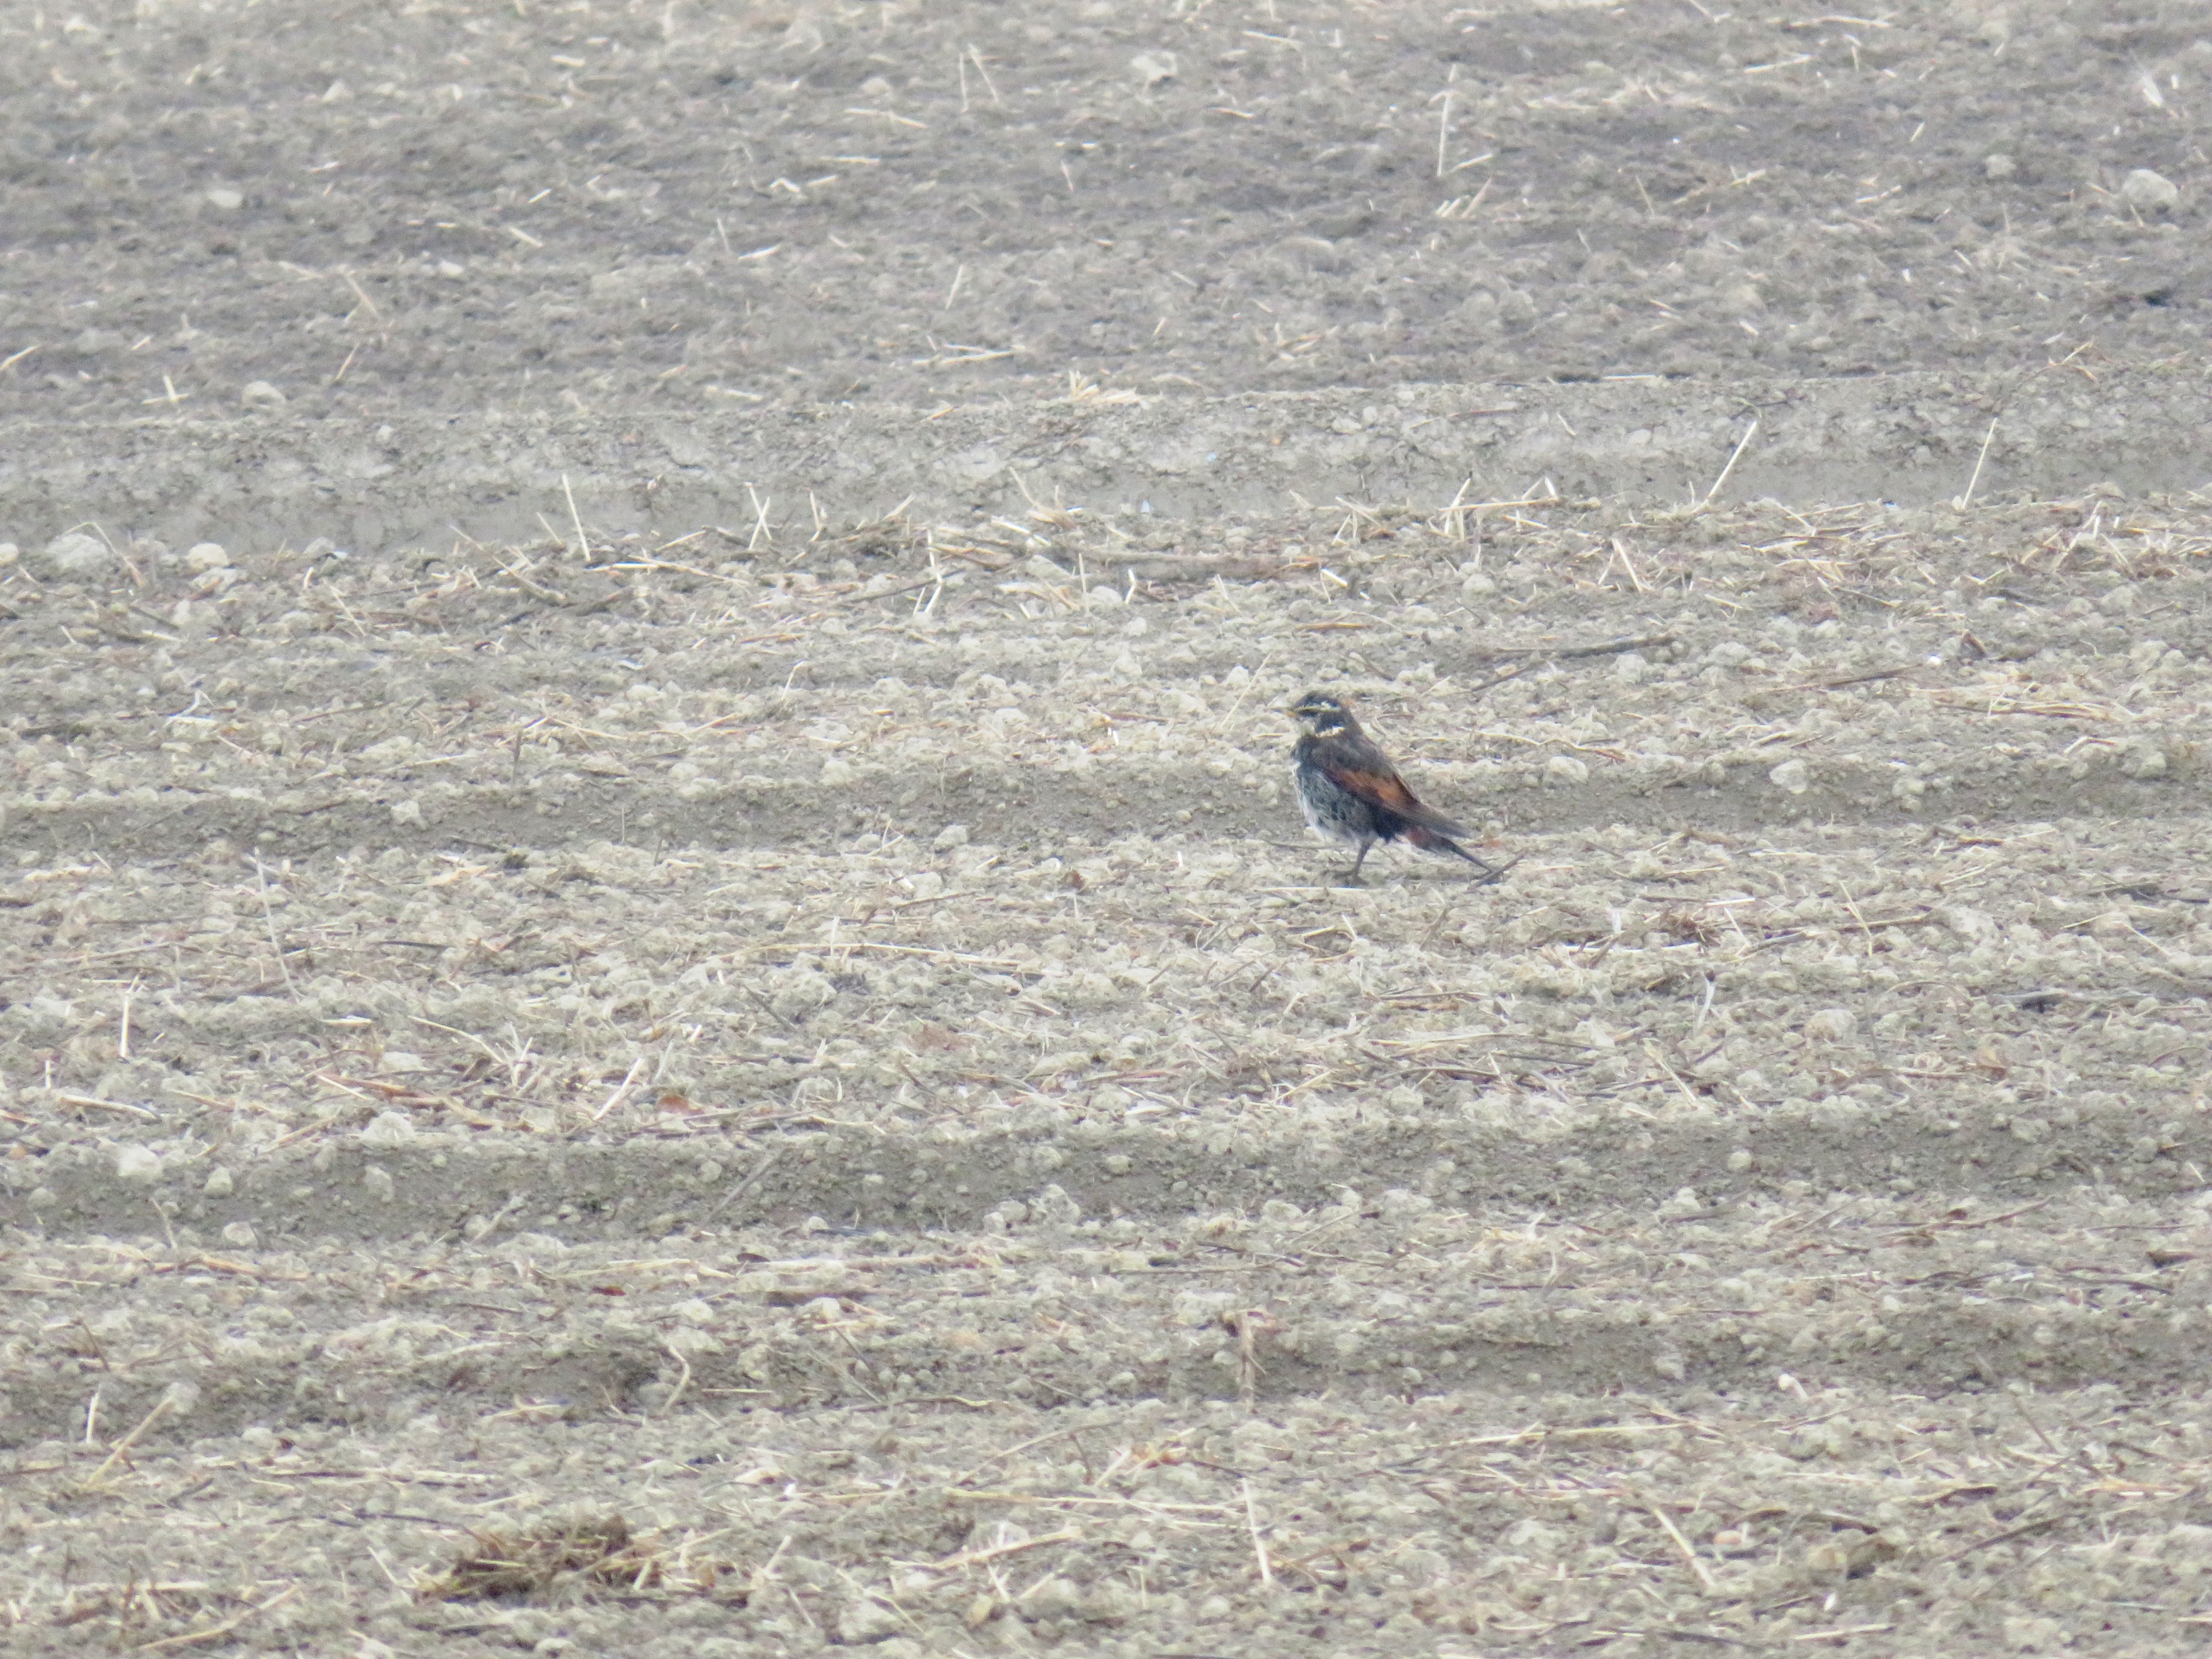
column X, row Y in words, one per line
column 1963, row 502
column 584, row 1556
column 996, row 1551
column 94, row 1102
column 1734, row 455
column 218, row 1632
column 1252, row 1526
column 1683, row 1544
column 122, row 1448
column 269, row 917
column 583, row 542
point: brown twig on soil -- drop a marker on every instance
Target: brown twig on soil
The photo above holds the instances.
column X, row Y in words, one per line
column 1252, row 1526
column 1683, row 1544
column 1537, row 656
column 1607, row 648
column 2027, row 1528
column 1200, row 568
column 1248, row 1326
column 759, row 1171
column 1841, row 1633
column 976, row 1557
column 122, row 1448
column 1962, row 1223
column 96, row 1103
column 1674, row 1632
column 520, row 576
column 682, row 1383
column 1853, row 679
column 269, row 916
column 218, row 1633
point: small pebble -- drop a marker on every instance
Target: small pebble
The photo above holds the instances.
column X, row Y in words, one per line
column 1832, row 1025
column 138, row 1164
column 225, row 199
column 181, row 1398
column 259, row 394
column 2150, row 192
column 1150, row 68
column 389, row 1130
column 799, row 990
column 1995, row 167
column 2146, row 762
column 73, row 554
column 202, row 556
column 1792, row 774
column 1565, row 768
column 1685, row 1202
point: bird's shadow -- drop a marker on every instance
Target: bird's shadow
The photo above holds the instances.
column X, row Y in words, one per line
column 1489, row 878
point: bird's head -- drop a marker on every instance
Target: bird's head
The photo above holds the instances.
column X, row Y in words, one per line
column 1322, row 714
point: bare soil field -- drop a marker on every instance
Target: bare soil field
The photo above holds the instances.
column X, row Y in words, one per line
column 660, row 989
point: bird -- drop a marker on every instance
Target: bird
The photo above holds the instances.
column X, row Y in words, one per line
column 1351, row 793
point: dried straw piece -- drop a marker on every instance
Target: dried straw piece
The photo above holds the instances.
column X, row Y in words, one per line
column 586, row 1553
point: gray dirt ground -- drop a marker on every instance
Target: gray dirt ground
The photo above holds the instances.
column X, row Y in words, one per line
column 649, row 873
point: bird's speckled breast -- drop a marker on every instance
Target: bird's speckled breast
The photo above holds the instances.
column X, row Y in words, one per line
column 1305, row 798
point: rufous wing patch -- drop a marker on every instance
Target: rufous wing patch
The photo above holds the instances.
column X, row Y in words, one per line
column 1384, row 789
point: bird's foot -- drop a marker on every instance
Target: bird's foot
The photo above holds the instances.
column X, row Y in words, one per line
column 1493, row 873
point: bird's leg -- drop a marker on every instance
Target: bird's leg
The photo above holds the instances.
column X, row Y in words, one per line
column 1353, row 879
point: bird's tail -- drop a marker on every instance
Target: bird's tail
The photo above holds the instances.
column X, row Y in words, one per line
column 1435, row 840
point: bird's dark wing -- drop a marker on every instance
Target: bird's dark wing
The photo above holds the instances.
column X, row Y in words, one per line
column 1379, row 786
column 1376, row 782
column 1383, row 788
